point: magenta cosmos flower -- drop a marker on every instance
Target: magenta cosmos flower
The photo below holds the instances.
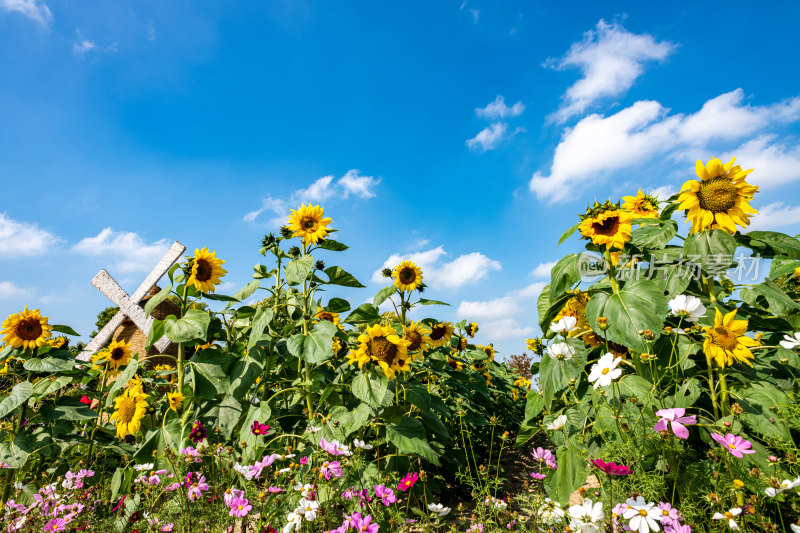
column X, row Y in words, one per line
column 332, row 469
column 363, row 523
column 537, row 475
column 56, row 524
column 334, row 447
column 198, row 487
column 240, row 507
column 612, row 469
column 734, row 444
column 385, row 494
column 545, row 456
column 408, row 481
column 258, row 428
column 676, row 421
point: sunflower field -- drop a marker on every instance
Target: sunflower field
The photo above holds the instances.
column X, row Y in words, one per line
column 665, row 398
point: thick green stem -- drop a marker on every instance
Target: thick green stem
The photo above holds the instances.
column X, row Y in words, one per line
column 180, row 344
column 724, row 395
column 713, row 391
column 101, row 406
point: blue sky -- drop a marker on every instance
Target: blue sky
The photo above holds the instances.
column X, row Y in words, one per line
column 466, row 135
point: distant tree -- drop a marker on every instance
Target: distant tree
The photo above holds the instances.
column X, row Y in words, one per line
column 522, row 365
column 103, row 318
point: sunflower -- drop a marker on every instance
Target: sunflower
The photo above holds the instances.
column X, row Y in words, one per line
column 488, row 350
column 535, row 345
column 454, row 363
column 641, row 206
column 330, row 316
column 726, row 341
column 607, row 225
column 175, row 399
column 206, row 270
column 308, row 223
column 471, row 329
column 57, row 342
column 206, row 346
column 719, row 199
column 407, row 276
column 417, row 335
column 461, row 343
column 119, row 353
column 441, row 333
column 131, row 407
column 26, row 329
column 576, row 307
column 796, row 273
column 382, row 345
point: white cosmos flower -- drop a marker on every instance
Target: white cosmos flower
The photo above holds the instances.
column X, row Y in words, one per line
column 790, row 342
column 361, row 444
column 307, row 508
column 293, row 521
column 550, row 512
column 643, row 516
column 565, row 325
column 605, row 370
column 795, row 528
column 438, row 509
column 736, row 511
column 587, row 516
column 689, row 307
column 560, row 350
column 143, row 467
column 244, row 470
column 558, row 423
column 785, row 485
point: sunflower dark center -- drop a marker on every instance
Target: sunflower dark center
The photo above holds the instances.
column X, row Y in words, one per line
column 117, row 353
column 608, row 227
column 724, row 338
column 717, row 195
column 29, row 329
column 325, row 315
column 415, row 338
column 203, row 271
column 407, row 275
column 381, row 349
column 308, row 223
column 437, row 332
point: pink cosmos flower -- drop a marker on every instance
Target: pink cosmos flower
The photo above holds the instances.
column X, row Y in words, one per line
column 197, row 488
column 364, row 523
column 334, row 447
column 304, row 461
column 668, row 513
column 538, row 476
column 349, row 493
column 167, row 528
column 408, row 481
column 259, row 466
column 191, row 454
column 734, row 444
column 56, row 524
column 612, row 469
column 174, row 486
column 240, row 507
column 231, row 494
column 259, row 429
column 274, row 489
column 677, row 527
column 476, row 528
column 332, row 469
column 385, row 494
column 545, row 456
column 676, row 420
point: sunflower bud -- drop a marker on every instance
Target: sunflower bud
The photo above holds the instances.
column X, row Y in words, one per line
column 736, row 409
column 268, row 240
column 602, row 323
column 286, row 232
column 386, row 272
column 319, row 265
column 294, row 251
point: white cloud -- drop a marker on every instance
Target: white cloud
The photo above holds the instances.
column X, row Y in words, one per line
column 775, row 215
column 82, row 45
column 463, row 270
column 20, row 239
column 322, row 190
column 505, row 328
column 354, row 183
column 610, row 59
column 499, row 109
column 542, row 270
column 774, row 164
column 9, row 290
column 532, row 291
column 127, row 250
column 489, row 137
column 34, row 10
column 664, row 192
column 151, row 31
column 475, row 14
column 597, row 145
column 488, row 310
